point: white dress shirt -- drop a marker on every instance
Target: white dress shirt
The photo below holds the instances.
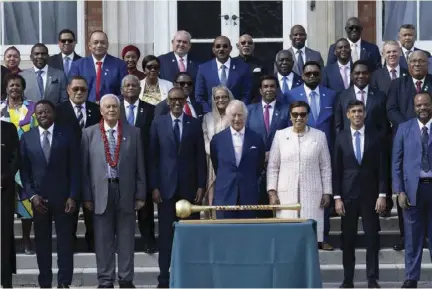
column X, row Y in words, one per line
column 238, row 139
column 297, row 55
column 191, row 107
column 358, row 44
column 290, row 79
column 345, row 69
column 44, row 75
column 404, row 51
column 135, row 110
column 184, row 60
column 271, row 109
column 227, row 67
column 180, row 123
column 83, row 110
column 95, row 61
column 415, row 82
column 50, row 134
column 424, row 174
column 318, row 98
column 107, row 129
column 358, row 94
column 397, row 68
column 71, row 56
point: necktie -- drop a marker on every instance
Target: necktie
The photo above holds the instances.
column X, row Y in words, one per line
column 131, row 115
column 354, row 55
column 80, row 116
column 112, row 147
column 46, row 147
column 177, row 132
column 357, row 146
column 407, row 53
column 314, row 104
column 66, row 65
column 362, row 96
column 300, row 62
column 238, row 154
column 181, row 65
column 285, row 85
column 393, row 74
column 267, row 117
column 187, row 109
column 344, row 76
column 418, row 86
column 223, row 78
column 426, row 167
column 40, row 83
column 98, row 79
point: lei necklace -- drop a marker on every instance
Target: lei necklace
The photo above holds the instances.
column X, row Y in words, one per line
column 112, row 162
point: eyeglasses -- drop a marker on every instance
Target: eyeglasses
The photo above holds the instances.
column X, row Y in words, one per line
column 312, row 73
column 246, row 42
column 183, row 83
column 174, row 100
column 79, row 88
column 66, row 41
column 152, row 67
column 356, row 27
column 297, row 114
column 219, row 46
column 222, row 97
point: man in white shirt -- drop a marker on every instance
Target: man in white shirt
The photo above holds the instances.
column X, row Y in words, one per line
column 64, row 59
column 287, row 79
column 407, row 36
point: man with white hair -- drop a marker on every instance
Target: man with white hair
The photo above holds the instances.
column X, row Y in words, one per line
column 178, row 60
column 114, row 186
column 238, row 156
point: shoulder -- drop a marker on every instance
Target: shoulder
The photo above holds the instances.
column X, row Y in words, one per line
column 89, row 105
column 367, row 44
column 91, row 129
column 165, row 82
column 207, row 64
column 54, row 57
column 327, row 91
column 316, row 133
column 310, row 50
column 332, row 46
column 166, row 56
column 147, row 105
column 253, row 106
column 55, row 71
column 407, row 124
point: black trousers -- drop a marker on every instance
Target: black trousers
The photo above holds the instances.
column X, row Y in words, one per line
column 88, row 221
column 146, row 222
column 8, row 256
column 371, row 226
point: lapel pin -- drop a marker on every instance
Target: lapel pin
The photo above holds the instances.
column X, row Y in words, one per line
column 173, row 60
column 233, row 67
column 124, row 138
column 276, row 114
column 106, row 74
column 403, row 74
column 425, row 88
column 323, row 94
column 106, row 69
column 141, row 110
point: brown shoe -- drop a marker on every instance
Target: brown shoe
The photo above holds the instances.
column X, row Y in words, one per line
column 326, row 246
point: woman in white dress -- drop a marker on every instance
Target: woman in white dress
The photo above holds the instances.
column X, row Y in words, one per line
column 299, row 169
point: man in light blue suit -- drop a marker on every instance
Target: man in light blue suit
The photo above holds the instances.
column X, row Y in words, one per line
column 233, row 73
column 102, row 71
column 412, row 182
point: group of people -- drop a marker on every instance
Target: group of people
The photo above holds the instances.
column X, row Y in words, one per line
column 98, row 134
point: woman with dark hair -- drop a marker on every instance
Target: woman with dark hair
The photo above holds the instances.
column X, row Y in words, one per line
column 299, row 169
column 131, row 54
column 12, row 59
column 153, row 88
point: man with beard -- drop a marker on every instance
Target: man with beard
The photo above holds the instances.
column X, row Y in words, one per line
column 407, row 36
column 412, row 182
column 287, row 79
column 66, row 43
column 336, row 76
column 223, row 70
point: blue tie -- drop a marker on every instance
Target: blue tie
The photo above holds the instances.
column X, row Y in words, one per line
column 223, row 79
column 177, row 132
column 131, row 117
column 314, row 105
column 66, row 64
column 40, row 82
column 426, row 167
column 285, row 85
column 112, row 147
column 357, row 146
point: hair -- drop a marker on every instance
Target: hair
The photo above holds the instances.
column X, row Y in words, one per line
column 182, row 74
column 233, row 103
column 424, row 93
column 147, row 59
column 354, row 102
column 97, row 31
column 351, row 19
column 38, row 45
column 175, row 88
column 341, row 39
column 184, row 32
column 360, row 62
column 416, row 52
column 391, row 42
column 269, row 77
column 78, row 77
column 130, row 77
column 283, row 51
column 47, row 102
column 66, row 31
column 299, row 103
column 12, row 48
column 13, row 76
column 407, row 26
column 106, row 96
column 310, row 63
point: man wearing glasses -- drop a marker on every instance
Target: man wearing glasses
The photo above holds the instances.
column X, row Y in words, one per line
column 67, row 55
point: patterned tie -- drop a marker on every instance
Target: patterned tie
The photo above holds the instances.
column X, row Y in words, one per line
column 223, row 78
column 112, row 147
column 285, row 85
column 98, row 79
column 393, row 74
column 344, row 76
column 186, row 109
column 267, row 117
column 300, row 62
column 357, row 146
column 131, row 116
column 181, row 65
column 418, row 86
column 177, row 132
column 407, row 53
column 66, row 65
column 46, row 147
column 314, row 104
column 40, row 83
column 80, row 116
column 426, row 167
column 354, row 53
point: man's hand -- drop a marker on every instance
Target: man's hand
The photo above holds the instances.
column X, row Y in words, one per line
column 70, row 206
column 199, row 196
column 156, row 196
column 273, row 198
column 139, row 204
column 403, row 200
column 39, row 204
column 88, row 205
column 325, row 201
column 339, row 207
column 381, row 205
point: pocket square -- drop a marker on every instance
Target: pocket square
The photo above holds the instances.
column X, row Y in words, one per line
column 257, row 69
column 253, row 147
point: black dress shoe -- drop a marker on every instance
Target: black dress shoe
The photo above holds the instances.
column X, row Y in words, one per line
column 160, row 285
column 347, row 285
column 106, row 286
column 150, row 248
column 426, row 243
column 126, row 285
column 400, row 246
column 63, row 286
column 373, row 284
column 409, row 284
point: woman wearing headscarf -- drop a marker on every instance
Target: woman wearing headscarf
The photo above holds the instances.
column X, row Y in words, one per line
column 131, row 54
column 153, row 88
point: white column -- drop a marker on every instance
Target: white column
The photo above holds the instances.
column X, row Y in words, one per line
column 164, row 25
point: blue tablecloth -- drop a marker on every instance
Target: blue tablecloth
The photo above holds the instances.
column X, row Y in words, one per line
column 271, row 255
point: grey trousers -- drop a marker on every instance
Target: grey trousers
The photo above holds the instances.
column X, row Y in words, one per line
column 114, row 231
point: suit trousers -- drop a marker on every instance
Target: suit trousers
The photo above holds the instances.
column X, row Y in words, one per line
column 264, row 199
column 43, row 239
column 415, row 219
column 114, row 231
column 146, row 221
column 371, row 227
column 88, row 221
column 8, row 258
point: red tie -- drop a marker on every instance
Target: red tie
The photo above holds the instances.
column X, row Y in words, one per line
column 267, row 116
column 187, row 109
column 98, row 79
column 418, row 86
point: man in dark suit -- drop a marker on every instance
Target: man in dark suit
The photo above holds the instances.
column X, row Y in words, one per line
column 77, row 114
column 179, row 59
column 179, row 170
column 50, row 173
column 140, row 114
column 285, row 75
column 233, row 73
column 192, row 108
column 360, row 49
column 63, row 60
column 102, row 71
column 407, row 36
column 412, row 183
column 359, row 189
column 336, row 76
column 265, row 118
column 10, row 162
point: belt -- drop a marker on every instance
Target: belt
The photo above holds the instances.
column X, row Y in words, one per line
column 113, row 180
column 426, row 181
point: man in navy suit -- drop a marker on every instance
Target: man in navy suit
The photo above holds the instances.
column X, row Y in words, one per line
column 265, row 118
column 178, row 60
column 102, row 71
column 285, row 75
column 336, row 76
column 233, row 73
column 412, row 182
column 179, row 171
column 360, row 49
column 50, row 173
column 238, row 156
column 407, row 36
column 64, row 59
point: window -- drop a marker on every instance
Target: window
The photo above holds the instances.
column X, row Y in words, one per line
column 26, row 23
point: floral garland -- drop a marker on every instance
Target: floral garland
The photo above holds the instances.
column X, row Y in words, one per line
column 112, row 162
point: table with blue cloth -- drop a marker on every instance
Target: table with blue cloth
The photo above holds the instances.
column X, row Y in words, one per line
column 239, row 255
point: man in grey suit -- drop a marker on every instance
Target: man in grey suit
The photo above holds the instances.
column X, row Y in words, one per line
column 43, row 81
column 301, row 53
column 114, row 186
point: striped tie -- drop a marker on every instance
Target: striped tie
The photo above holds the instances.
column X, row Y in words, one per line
column 112, row 147
column 80, row 116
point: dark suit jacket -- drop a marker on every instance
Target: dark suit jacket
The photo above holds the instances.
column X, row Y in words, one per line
column 56, row 60
column 169, row 66
column 332, row 78
column 177, row 172
column 369, row 52
column 58, row 179
column 364, row 181
column 257, row 70
column 163, row 108
column 381, row 78
column 10, row 155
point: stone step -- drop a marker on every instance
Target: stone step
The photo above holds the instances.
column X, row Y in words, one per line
column 421, row 284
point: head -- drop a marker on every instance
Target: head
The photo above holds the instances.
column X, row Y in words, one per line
column 15, row 85
column 98, row 44
column 353, row 29
column 181, row 43
column 391, row 53
column 298, row 36
column 110, row 108
column 299, row 112
column 66, row 41
column 342, row 50
column 222, row 48
column 12, row 58
column 151, row 66
column 245, row 45
column 237, row 114
column 39, row 55
column 423, row 106
column 130, row 88
column 45, row 113
column 131, row 54
column 418, row 64
column 356, row 113
column 360, row 74
column 221, row 96
column 185, row 82
column 284, row 62
column 311, row 74
column 176, row 101
column 78, row 90
column 407, row 36
column 268, row 87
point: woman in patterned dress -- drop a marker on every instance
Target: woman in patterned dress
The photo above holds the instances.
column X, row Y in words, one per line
column 20, row 112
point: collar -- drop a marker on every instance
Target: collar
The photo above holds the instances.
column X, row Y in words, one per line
column 342, row 65
column 289, row 77
column 174, row 118
column 272, row 104
column 428, row 125
column 357, row 90
column 107, row 127
column 44, row 69
column 308, row 90
column 71, row 56
column 227, row 63
column 362, row 131
column 95, row 60
column 127, row 104
column 397, row 68
column 183, row 57
column 357, row 43
column 303, row 49
column 404, row 50
column 422, row 81
column 233, row 131
column 74, row 104
column 50, row 130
